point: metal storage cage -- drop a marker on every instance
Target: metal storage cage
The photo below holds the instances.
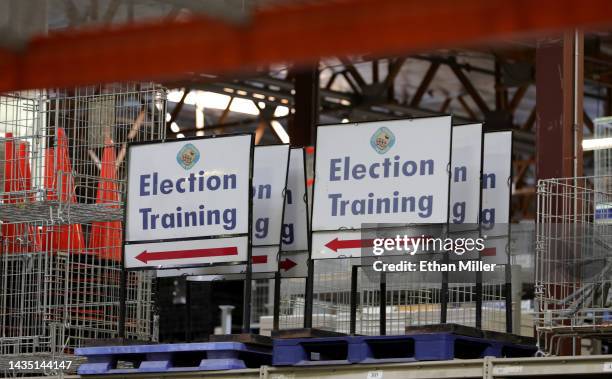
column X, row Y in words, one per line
column 62, row 172
column 573, row 260
column 602, row 157
column 408, row 302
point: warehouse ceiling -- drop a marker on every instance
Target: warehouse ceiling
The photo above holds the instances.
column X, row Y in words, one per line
column 64, row 13
column 487, row 83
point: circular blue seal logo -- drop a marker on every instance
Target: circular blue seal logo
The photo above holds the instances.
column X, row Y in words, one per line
column 382, row 140
column 188, row 156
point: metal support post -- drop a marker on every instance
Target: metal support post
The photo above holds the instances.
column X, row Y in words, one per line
column 478, row 290
column 277, row 295
column 309, row 295
column 444, row 293
column 354, row 299
column 122, row 302
column 383, row 304
column 517, row 286
column 246, row 304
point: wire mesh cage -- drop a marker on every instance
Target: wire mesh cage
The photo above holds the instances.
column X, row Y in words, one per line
column 573, row 259
column 62, row 166
column 408, row 302
column 602, row 157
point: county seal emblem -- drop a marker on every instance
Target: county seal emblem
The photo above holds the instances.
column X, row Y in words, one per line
column 188, row 156
column 382, row 140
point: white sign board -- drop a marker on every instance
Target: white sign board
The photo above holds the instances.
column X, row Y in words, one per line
column 186, row 252
column 270, row 164
column 496, row 181
column 465, row 174
column 295, row 224
column 293, row 264
column 382, row 172
column 187, row 189
column 265, row 259
column 191, row 188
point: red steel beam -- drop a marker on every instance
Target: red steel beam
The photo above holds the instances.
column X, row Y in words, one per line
column 285, row 33
column 555, row 108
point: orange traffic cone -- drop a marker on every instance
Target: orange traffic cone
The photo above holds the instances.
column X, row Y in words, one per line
column 10, row 160
column 58, row 168
column 24, row 177
column 106, row 238
column 18, row 183
column 10, row 232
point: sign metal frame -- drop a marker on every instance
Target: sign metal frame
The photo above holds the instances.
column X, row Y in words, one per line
column 248, row 234
column 508, row 267
column 308, row 306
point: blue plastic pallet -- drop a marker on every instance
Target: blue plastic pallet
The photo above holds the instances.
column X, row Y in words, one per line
column 381, row 349
column 173, row 357
column 311, row 351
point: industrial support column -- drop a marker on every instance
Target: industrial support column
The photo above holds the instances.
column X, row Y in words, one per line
column 306, row 103
column 559, row 95
column 301, row 133
column 559, row 123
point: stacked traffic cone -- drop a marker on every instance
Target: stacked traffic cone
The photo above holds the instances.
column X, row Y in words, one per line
column 18, row 238
column 10, row 232
column 24, row 176
column 106, row 238
column 58, row 173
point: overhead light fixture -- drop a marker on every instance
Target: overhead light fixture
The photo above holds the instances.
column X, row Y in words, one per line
column 174, row 127
column 596, row 144
column 200, row 133
column 345, row 120
column 244, row 106
column 214, row 100
column 281, row 111
column 180, row 135
column 280, row 131
column 199, row 117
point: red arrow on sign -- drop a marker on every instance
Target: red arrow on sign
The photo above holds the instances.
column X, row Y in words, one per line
column 337, row 244
column 146, row 256
column 257, row 259
column 489, row 252
column 287, row 264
